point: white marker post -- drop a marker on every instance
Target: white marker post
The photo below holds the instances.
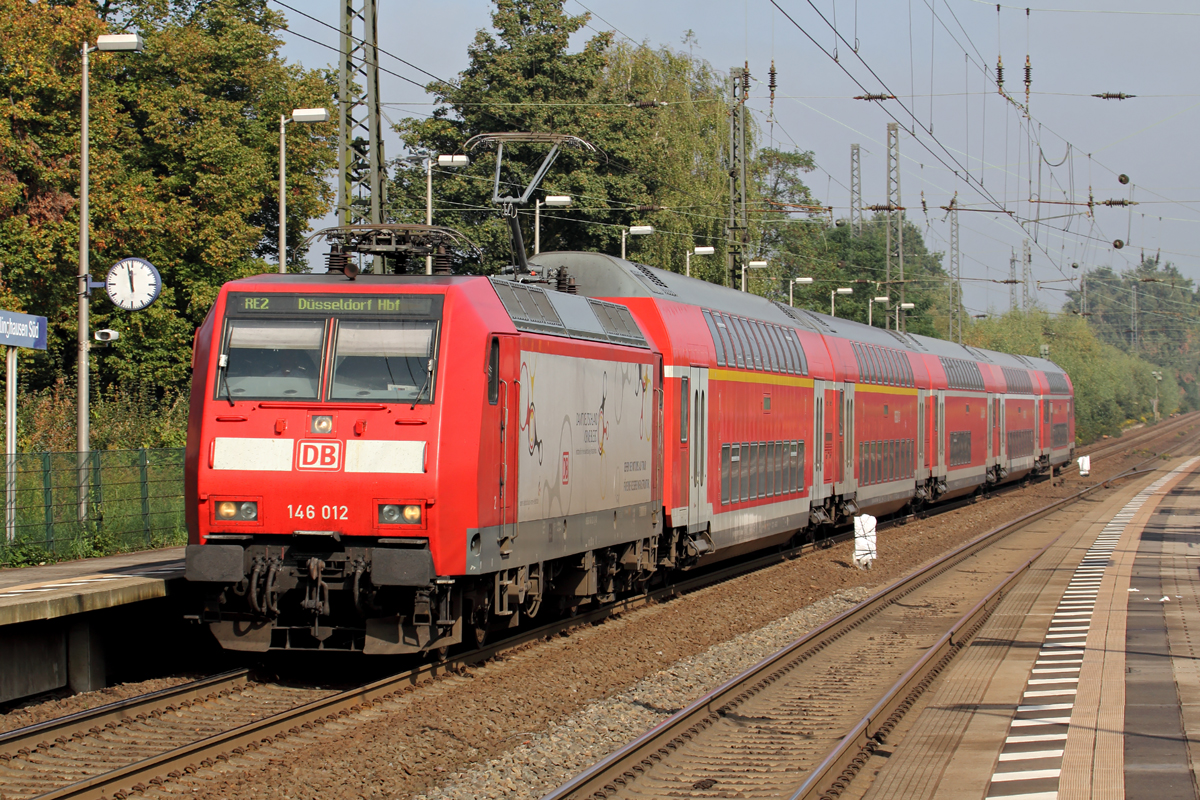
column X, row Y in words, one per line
column 1085, row 466
column 864, row 541
column 16, row 331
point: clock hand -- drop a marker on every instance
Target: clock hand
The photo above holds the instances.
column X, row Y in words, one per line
column 131, row 289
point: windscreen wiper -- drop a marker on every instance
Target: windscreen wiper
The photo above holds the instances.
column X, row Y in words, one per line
column 424, row 386
column 222, row 376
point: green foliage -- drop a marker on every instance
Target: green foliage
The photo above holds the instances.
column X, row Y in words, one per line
column 1112, row 388
column 184, row 166
column 522, row 77
column 123, row 417
column 1168, row 318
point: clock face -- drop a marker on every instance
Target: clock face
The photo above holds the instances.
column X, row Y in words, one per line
column 133, row 284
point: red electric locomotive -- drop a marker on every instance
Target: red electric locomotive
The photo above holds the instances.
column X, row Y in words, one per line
column 389, row 464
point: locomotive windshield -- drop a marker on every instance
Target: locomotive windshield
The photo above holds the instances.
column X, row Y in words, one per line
column 330, row 347
column 275, row 359
column 382, row 360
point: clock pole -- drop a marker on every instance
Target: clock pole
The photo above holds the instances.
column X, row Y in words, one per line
column 82, row 416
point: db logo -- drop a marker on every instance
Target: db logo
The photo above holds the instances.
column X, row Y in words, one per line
column 566, row 468
column 323, row 455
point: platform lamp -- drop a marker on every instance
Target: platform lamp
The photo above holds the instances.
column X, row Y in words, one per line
column 871, row 306
column 443, row 161
column 110, row 43
column 634, row 230
column 792, row 283
column 901, row 317
column 306, row 115
column 699, row 251
column 1158, row 376
column 552, row 201
column 751, row 265
column 833, row 296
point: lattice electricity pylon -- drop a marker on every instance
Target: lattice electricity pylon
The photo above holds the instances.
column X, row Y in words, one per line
column 856, row 221
column 895, row 226
column 361, row 176
column 738, row 226
column 955, row 276
column 1027, row 298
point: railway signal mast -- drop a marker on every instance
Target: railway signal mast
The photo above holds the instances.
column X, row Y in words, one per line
column 737, row 228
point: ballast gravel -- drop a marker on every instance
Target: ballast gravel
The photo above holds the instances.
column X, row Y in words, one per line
column 550, row 758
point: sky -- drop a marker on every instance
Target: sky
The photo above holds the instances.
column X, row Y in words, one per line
column 938, row 57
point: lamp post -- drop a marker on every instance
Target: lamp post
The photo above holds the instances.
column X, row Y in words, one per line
column 793, row 282
column 699, row 251
column 751, row 265
column 634, row 230
column 900, row 318
column 123, row 42
column 833, row 296
column 553, row 201
column 871, row 306
column 443, row 161
column 1158, row 376
column 298, row 115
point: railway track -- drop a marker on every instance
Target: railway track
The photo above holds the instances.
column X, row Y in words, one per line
column 801, row 722
column 126, row 746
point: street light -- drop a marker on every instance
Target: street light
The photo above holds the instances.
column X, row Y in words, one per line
column 443, row 161
column 121, row 42
column 554, row 200
column 298, row 115
column 833, row 296
column 751, row 265
column 699, row 251
column 793, row 282
column 871, row 306
column 1158, row 376
column 635, row 230
column 900, row 317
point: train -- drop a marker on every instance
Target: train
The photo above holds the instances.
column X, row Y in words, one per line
column 397, row 464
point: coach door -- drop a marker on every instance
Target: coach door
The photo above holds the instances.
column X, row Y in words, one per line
column 939, row 431
column 845, row 442
column 817, row 490
column 504, row 397
column 1003, row 434
column 698, row 506
column 990, row 430
column 922, row 412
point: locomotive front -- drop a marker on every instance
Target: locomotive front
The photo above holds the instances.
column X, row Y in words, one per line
column 315, row 415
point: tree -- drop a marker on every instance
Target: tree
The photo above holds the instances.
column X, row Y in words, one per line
column 1167, row 317
column 658, row 164
column 184, row 145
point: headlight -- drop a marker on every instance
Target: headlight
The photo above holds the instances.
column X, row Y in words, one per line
column 395, row 514
column 237, row 510
column 322, row 424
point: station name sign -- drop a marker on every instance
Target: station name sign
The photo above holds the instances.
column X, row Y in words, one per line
column 324, row 305
column 22, row 330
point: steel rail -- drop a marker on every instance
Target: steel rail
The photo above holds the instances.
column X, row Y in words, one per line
column 627, row 763
column 41, row 735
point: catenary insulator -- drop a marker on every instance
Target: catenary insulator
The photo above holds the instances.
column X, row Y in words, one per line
column 1000, row 74
column 441, row 262
column 336, row 261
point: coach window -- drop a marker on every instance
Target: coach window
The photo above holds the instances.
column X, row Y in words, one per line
column 735, row 341
column 789, row 365
column 745, row 471
column 759, row 344
column 781, row 356
column 712, row 329
column 730, row 456
column 683, row 409
column 794, row 338
column 726, row 340
column 768, row 346
column 494, row 372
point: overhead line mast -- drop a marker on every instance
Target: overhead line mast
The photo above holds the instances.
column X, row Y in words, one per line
column 361, row 162
column 895, row 227
column 856, row 221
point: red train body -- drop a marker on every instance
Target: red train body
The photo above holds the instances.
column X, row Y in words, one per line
column 390, row 464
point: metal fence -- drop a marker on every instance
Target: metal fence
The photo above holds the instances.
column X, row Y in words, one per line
column 130, row 500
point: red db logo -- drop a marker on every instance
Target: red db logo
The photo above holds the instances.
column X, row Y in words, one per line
column 566, row 468
column 322, row 455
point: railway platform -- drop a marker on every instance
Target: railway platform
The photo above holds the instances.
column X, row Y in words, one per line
column 1085, row 681
column 58, row 621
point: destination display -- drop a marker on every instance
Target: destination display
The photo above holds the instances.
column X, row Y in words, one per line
column 324, row 305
